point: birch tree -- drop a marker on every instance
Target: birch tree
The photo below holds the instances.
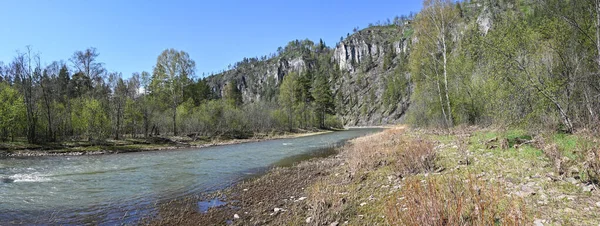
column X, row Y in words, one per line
column 172, row 73
column 433, row 28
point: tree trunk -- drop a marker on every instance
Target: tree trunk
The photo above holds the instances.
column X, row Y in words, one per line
column 437, row 81
column 146, row 124
column 117, row 131
column 598, row 32
column 174, row 120
column 450, row 119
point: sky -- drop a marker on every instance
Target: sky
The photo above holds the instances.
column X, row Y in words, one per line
column 130, row 34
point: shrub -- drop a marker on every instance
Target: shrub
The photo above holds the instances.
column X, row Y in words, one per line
column 452, row 201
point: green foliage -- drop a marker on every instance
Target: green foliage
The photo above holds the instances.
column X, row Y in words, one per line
column 289, row 95
column 12, row 111
column 323, row 98
column 332, row 121
column 388, row 57
column 396, row 85
column 198, row 91
column 89, row 118
column 171, row 75
column 232, row 93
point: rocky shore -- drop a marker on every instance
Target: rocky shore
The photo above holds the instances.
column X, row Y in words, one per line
column 406, row 177
column 166, row 144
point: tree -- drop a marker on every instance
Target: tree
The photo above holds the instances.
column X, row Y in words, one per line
column 198, row 91
column 12, row 111
column 86, row 63
column 321, row 92
column 27, row 72
column 89, row 118
column 119, row 99
column 146, row 100
column 172, row 73
column 288, row 96
column 232, row 93
column 433, row 28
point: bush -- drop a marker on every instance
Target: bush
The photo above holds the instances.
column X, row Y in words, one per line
column 333, row 121
column 414, row 156
column 452, row 201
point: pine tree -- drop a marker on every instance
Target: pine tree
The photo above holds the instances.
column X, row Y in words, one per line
column 323, row 98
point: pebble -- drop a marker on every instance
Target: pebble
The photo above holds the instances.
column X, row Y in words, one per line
column 334, row 223
column 569, row 210
column 236, row 216
column 308, row 219
column 362, row 204
column 301, row 198
column 539, row 222
column 598, row 204
column 571, row 180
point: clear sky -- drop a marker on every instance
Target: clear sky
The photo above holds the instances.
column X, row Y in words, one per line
column 130, row 34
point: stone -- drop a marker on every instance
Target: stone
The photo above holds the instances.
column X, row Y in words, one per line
column 236, row 216
column 569, row 210
column 308, row 220
column 539, row 222
column 335, row 223
column 362, row 204
column 571, row 180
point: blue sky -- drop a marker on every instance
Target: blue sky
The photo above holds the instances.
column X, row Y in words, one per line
column 130, row 34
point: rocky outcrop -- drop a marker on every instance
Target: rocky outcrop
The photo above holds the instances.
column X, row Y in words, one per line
column 359, row 90
column 364, row 78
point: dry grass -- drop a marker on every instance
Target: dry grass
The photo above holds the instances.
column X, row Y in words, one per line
column 414, row 156
column 441, row 201
column 388, row 178
column 390, row 148
column 592, row 166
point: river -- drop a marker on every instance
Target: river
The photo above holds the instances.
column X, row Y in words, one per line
column 121, row 188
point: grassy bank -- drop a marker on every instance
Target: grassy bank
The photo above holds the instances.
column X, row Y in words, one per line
column 403, row 176
column 21, row 148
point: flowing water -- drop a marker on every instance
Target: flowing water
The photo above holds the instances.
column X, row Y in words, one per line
column 109, row 189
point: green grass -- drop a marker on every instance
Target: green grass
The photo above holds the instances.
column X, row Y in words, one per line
column 569, row 145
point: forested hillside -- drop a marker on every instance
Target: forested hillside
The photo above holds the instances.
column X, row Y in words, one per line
column 507, row 62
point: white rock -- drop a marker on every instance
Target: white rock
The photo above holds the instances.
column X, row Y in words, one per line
column 598, row 204
column 362, row 204
column 334, row 223
column 236, row 216
column 308, row 219
column 538, row 222
column 301, row 198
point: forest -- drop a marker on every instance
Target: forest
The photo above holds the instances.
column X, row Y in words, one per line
column 515, row 63
column 81, row 100
column 528, row 64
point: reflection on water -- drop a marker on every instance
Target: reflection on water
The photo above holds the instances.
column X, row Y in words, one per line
column 121, row 188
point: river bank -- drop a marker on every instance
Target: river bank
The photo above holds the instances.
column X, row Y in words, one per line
column 414, row 177
column 137, row 144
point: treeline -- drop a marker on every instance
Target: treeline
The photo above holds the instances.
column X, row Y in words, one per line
column 81, row 100
column 510, row 62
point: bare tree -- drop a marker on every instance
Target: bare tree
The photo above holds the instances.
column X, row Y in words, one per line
column 26, row 70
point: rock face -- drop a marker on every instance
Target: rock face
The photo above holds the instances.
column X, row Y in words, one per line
column 361, row 58
column 256, row 79
column 359, row 89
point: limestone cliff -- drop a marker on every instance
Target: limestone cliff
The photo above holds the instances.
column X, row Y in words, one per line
column 367, row 60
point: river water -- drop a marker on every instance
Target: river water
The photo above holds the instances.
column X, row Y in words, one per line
column 112, row 189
